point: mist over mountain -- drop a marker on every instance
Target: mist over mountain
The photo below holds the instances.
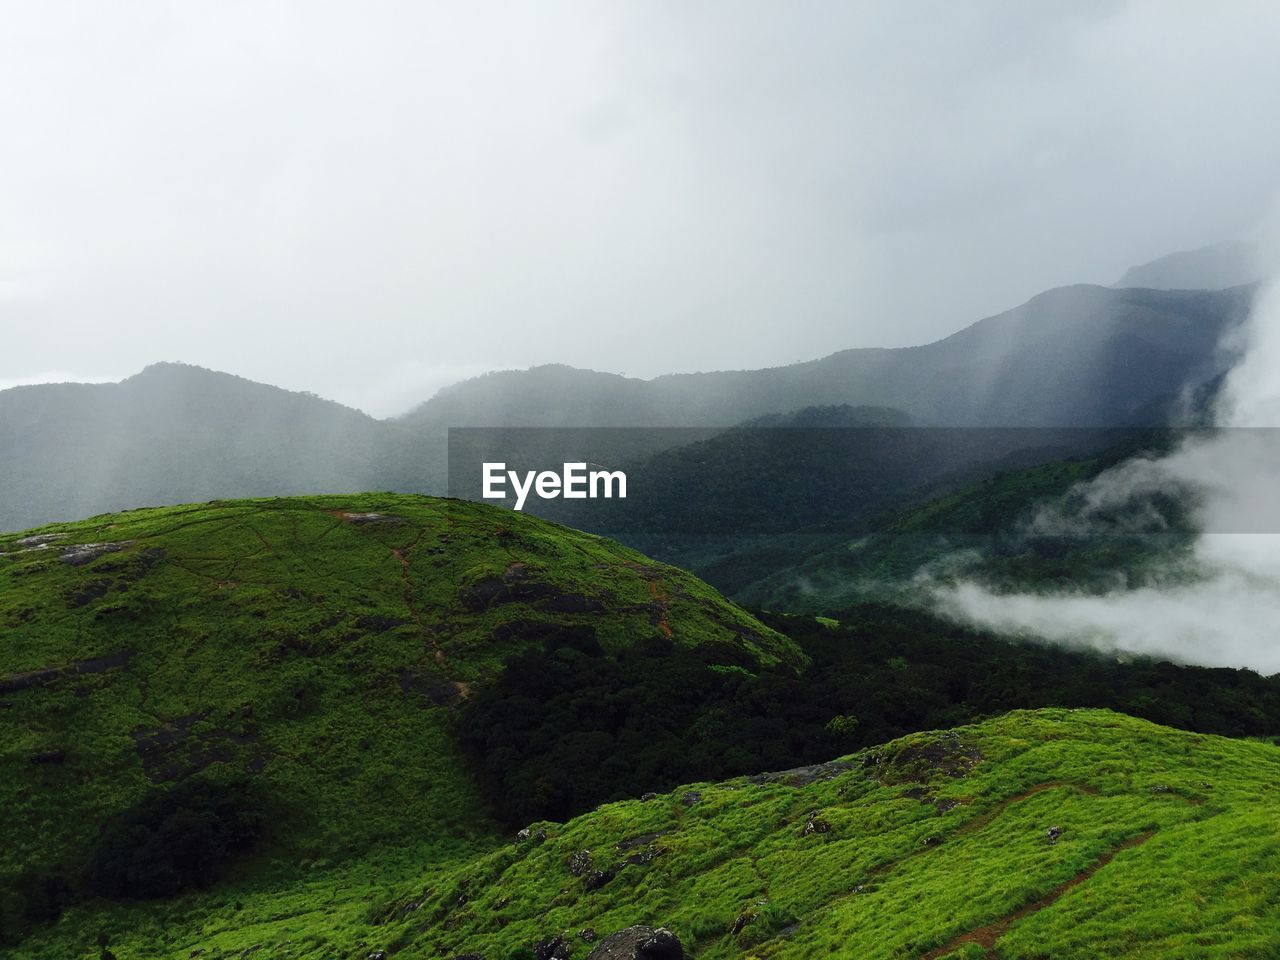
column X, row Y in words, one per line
column 176, row 434
column 1074, row 356
column 1214, row 267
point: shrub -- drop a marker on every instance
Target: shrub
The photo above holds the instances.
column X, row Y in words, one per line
column 174, row 840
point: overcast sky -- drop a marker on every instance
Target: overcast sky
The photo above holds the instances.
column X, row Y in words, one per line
column 373, row 199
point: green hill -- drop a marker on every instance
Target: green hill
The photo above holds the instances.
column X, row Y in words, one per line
column 1054, row 833
column 295, row 666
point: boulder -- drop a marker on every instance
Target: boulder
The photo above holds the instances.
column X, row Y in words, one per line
column 552, row 948
column 815, row 824
column 639, row 943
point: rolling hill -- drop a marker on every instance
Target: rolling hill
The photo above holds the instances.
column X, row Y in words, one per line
column 979, row 528
column 1057, row 833
column 1070, row 834
column 309, row 653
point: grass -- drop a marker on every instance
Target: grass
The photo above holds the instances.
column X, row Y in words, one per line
column 315, row 650
column 1171, row 835
column 937, row 845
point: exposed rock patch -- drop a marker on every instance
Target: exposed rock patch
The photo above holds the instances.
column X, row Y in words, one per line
column 639, row 943
column 82, row 553
column 87, row 592
column 431, row 684
column 803, row 776
column 36, row 678
column 366, row 519
column 175, row 750
column 517, row 588
column 947, row 754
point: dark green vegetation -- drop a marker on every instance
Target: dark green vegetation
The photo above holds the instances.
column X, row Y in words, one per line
column 175, row 840
column 568, row 727
column 152, row 663
column 982, row 530
column 831, row 466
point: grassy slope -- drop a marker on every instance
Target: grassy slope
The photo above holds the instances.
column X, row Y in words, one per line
column 319, row 653
column 933, row 846
column 1169, row 847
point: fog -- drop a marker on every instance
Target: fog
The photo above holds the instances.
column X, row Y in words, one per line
column 373, row 200
column 1219, row 605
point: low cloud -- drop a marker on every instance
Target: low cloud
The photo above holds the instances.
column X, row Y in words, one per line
column 1218, row 605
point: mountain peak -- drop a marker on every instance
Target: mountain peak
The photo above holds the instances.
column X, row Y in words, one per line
column 1215, row 267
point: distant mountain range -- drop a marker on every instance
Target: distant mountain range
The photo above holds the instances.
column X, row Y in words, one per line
column 1073, row 356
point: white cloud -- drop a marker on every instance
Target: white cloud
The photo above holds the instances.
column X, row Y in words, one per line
column 640, row 186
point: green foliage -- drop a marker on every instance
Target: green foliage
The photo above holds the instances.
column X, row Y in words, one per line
column 567, row 727
column 843, row 726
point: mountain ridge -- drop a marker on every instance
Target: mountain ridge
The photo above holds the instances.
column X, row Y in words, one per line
column 1075, row 356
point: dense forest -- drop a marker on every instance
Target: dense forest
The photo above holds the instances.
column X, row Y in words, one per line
column 569, row 726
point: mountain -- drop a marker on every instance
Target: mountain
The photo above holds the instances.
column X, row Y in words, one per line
column 175, row 434
column 1215, row 267
column 1074, row 356
column 843, row 467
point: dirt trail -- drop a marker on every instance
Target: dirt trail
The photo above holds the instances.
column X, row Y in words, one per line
column 658, row 593
column 403, row 555
column 978, row 822
column 986, row 936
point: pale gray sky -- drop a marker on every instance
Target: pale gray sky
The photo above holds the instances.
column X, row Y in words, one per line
column 373, row 199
